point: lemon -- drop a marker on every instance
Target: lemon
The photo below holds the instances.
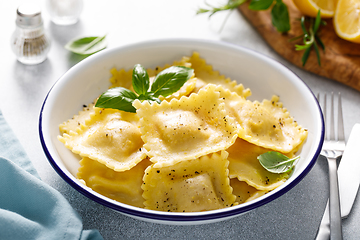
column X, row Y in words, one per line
column 311, row 7
column 347, row 20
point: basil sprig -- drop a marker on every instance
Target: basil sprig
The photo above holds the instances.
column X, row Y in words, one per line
column 279, row 12
column 87, row 45
column 165, row 83
column 276, row 162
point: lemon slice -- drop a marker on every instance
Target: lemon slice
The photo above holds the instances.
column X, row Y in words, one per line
column 347, row 20
column 311, row 7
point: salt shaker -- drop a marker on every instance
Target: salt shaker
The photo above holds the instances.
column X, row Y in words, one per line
column 64, row 12
column 29, row 41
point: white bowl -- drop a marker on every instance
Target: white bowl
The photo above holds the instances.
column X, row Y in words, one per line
column 264, row 76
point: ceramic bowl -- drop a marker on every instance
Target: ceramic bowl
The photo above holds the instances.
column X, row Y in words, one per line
column 263, row 75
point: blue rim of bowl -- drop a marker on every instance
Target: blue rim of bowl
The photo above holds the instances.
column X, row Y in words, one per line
column 158, row 215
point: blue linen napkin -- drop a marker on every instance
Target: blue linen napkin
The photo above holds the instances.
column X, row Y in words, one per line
column 29, row 208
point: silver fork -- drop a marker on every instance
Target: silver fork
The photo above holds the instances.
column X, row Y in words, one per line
column 332, row 149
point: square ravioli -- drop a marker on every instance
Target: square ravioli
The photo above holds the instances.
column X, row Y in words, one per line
column 187, row 128
column 111, row 137
column 245, row 166
column 267, row 124
column 190, row 186
column 124, row 186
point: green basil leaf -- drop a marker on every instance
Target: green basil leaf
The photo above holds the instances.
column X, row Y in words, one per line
column 276, row 162
column 280, row 16
column 170, row 80
column 166, row 82
column 87, row 45
column 260, row 4
column 140, row 79
column 117, row 98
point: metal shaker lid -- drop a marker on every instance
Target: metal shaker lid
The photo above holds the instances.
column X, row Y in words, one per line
column 28, row 15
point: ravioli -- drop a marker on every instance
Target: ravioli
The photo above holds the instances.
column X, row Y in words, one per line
column 266, row 124
column 245, row 166
column 185, row 129
column 111, row 137
column 190, row 186
column 124, row 186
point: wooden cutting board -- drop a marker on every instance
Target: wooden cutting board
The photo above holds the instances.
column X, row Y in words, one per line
column 340, row 61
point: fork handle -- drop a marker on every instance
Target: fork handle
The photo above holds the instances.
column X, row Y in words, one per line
column 334, row 201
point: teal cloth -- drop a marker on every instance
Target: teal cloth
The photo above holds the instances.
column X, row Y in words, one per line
column 29, row 208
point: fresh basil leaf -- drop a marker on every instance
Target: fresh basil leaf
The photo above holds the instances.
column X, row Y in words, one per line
column 280, row 16
column 170, row 80
column 276, row 162
column 87, row 45
column 260, row 4
column 140, row 79
column 166, row 82
column 117, row 98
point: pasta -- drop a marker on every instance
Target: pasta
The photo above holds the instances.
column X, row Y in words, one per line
column 190, row 186
column 266, row 124
column 185, row 129
column 123, row 186
column 245, row 167
column 196, row 150
column 109, row 136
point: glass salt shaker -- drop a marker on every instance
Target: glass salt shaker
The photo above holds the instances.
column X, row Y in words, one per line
column 64, row 12
column 29, row 41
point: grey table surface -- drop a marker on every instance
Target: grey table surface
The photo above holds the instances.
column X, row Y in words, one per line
column 295, row 215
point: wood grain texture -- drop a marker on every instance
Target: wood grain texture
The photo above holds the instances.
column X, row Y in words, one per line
column 340, row 61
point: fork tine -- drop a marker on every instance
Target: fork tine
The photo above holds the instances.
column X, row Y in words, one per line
column 332, row 118
column 341, row 135
column 323, row 108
